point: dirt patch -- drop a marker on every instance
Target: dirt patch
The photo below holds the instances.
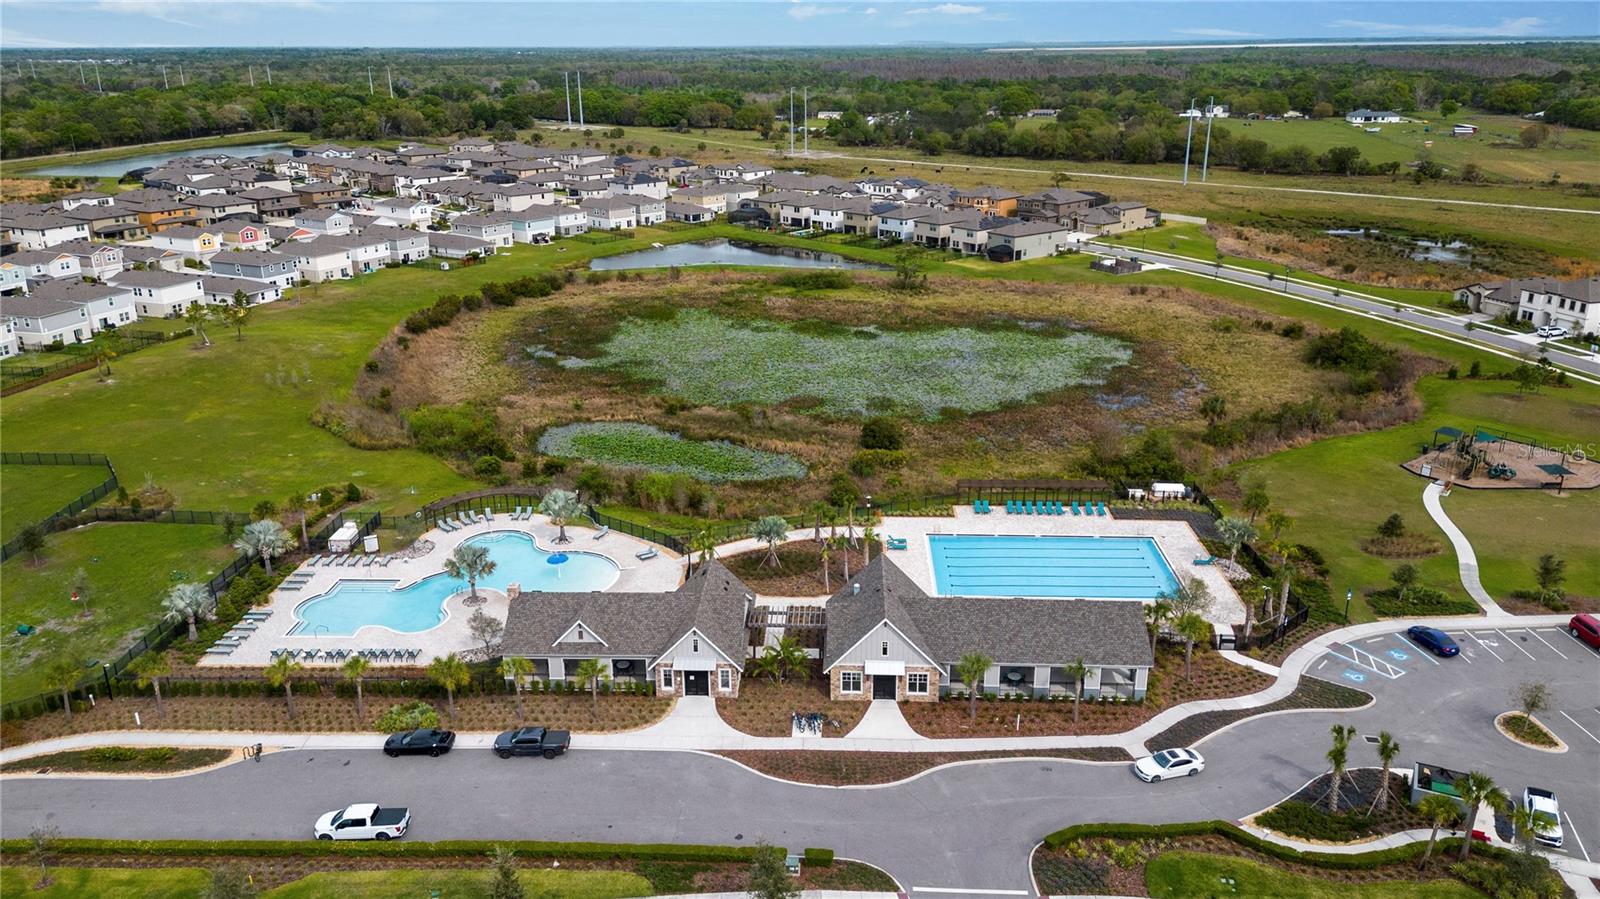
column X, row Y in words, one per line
column 859, row 768
column 799, row 569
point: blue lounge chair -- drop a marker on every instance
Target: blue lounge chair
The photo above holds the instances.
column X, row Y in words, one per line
column 1101, row 510
column 1206, row 561
column 1013, row 507
column 1075, row 508
column 986, row 509
column 1031, row 507
column 1055, row 507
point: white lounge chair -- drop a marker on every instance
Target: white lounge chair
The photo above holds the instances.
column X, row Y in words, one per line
column 312, row 562
column 644, row 554
column 219, row 651
column 604, row 530
column 489, row 514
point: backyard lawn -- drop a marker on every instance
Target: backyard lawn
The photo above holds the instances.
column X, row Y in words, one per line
column 129, row 568
column 1339, row 490
column 33, row 492
column 106, row 883
column 1179, row 875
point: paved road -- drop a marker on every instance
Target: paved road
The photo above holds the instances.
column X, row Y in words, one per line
column 968, row 827
column 1452, row 326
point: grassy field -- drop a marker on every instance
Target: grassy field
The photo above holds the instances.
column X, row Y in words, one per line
column 1182, row 875
column 1339, row 490
column 107, row 883
column 129, row 569
column 33, row 492
column 459, row 884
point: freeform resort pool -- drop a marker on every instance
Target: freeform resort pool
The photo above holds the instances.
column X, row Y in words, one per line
column 353, row 604
column 1066, row 567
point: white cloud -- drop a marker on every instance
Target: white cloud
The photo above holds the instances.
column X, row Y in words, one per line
column 946, row 9
column 1520, row 27
column 1215, row 32
column 870, row 11
column 185, row 12
column 803, row 11
column 12, row 38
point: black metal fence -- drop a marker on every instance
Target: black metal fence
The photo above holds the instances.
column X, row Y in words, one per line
column 89, row 497
column 19, row 374
column 633, row 528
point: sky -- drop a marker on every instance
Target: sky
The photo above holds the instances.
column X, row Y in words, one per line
column 38, row 24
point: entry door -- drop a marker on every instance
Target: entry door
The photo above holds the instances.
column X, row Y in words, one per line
column 883, row 686
column 696, row 683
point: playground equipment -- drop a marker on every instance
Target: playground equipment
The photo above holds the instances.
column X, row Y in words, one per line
column 1502, row 471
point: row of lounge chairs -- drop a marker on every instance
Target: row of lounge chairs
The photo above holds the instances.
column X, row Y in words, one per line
column 339, row 655
column 981, row 506
column 895, row 542
column 240, row 632
column 1051, row 507
column 342, row 560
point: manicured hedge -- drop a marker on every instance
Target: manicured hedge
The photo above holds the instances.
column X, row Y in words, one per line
column 818, row 858
column 1376, row 859
column 443, row 849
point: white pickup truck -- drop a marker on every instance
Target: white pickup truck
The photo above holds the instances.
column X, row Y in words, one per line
column 363, row 821
column 1546, row 815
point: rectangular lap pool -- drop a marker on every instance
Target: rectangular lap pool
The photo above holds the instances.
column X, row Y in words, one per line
column 1067, row 567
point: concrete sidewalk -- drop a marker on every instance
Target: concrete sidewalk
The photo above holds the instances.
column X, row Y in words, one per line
column 1466, row 558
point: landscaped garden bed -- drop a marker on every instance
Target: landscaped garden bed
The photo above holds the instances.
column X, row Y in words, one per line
column 763, row 708
column 1213, row 678
column 1305, row 815
column 818, row 766
column 799, row 568
column 1527, row 730
column 119, row 760
column 1310, row 693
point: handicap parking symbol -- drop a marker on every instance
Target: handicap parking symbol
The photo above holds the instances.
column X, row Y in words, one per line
column 1399, row 655
column 1351, row 674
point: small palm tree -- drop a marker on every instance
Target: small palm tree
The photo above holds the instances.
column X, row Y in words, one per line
column 148, row 670
column 1440, row 811
column 843, row 546
column 790, row 657
column 265, row 538
column 1193, row 629
column 280, row 675
column 63, row 675
column 354, row 670
column 1077, row 671
column 771, row 530
column 827, row 556
column 589, row 674
column 704, row 545
column 1338, row 757
column 197, row 316
column 1235, row 532
column 1388, row 749
column 469, row 563
column 190, row 603
column 1476, row 788
column 1156, row 614
column 514, row 669
column 972, row 667
column 452, row 674
column 561, row 506
column 868, row 536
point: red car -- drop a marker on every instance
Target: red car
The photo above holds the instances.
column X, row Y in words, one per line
column 1585, row 627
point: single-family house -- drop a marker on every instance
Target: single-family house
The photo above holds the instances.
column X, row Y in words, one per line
column 109, row 222
column 46, row 265
column 892, row 188
column 405, row 244
column 276, row 269
column 458, row 246
column 861, row 214
column 689, row 642
column 322, row 194
column 188, row 241
column 1056, row 205
column 161, row 294
column 151, row 257
column 9, row 345
column 519, row 195
column 739, row 171
column 643, row 183
column 272, row 202
column 888, row 639
column 493, row 228
column 710, row 196
column 221, row 290
column 13, row 277
column 95, row 260
column 1574, row 305
column 37, row 322
column 323, row 221
column 610, row 214
column 405, row 210
column 987, row 200
column 322, row 259
column 368, row 252
column 105, row 306
column 85, row 198
column 42, row 231
column 901, row 223
column 212, row 208
column 1115, row 218
column 243, row 234
column 579, row 191
column 647, row 209
column 679, row 211
column 1026, row 240
column 1364, row 116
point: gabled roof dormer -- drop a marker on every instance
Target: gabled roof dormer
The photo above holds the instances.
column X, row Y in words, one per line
column 581, row 633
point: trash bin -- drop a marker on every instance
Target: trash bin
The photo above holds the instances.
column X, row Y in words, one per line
column 370, row 543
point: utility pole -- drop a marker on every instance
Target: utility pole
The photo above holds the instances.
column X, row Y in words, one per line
column 182, row 81
column 791, row 121
column 31, row 70
column 97, row 85
column 370, row 89
column 566, row 85
column 580, row 98
column 1205, row 158
column 269, row 74
column 252, row 76
column 389, row 73
column 165, row 84
column 1187, row 141
column 805, row 119
column 81, row 76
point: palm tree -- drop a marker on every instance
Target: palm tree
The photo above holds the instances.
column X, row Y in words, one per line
column 1475, row 788
column 1077, row 671
column 281, row 673
column 197, row 316
column 452, row 674
column 354, row 669
column 1235, row 532
column 297, row 506
column 470, row 563
column 819, row 512
column 785, row 657
column 561, row 506
column 1523, row 822
column 972, row 667
column 188, row 602
column 827, row 556
column 704, row 545
column 63, row 675
column 1193, row 629
column 771, row 530
column 839, row 543
column 148, row 670
column 1338, row 756
column 1388, row 749
column 265, row 538
column 867, row 536
column 589, row 675
column 1440, row 810
column 1156, row 614
column 514, row 669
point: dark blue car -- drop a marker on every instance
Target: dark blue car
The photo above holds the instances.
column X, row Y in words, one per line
column 1434, row 640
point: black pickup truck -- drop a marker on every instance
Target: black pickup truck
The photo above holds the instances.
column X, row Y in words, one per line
column 532, row 741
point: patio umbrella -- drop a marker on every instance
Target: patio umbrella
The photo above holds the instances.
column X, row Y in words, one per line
column 557, row 559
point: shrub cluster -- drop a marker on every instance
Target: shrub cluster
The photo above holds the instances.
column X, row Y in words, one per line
column 823, row 279
column 498, row 293
column 1301, row 819
column 1418, row 601
column 686, row 852
column 467, row 432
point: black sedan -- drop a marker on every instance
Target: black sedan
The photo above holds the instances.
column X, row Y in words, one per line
column 1433, row 640
column 427, row 741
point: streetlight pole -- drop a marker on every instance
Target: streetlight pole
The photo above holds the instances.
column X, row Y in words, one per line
column 1347, row 595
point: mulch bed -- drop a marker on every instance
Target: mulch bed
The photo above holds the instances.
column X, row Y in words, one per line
column 763, row 708
column 1356, row 796
column 1300, row 636
column 1311, row 693
column 818, row 766
column 1518, row 605
column 151, row 760
column 799, row 571
column 1213, row 678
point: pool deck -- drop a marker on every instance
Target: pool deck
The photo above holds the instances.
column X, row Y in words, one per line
column 1175, row 539
column 661, row 574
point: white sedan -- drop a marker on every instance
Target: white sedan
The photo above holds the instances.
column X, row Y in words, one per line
column 1169, row 763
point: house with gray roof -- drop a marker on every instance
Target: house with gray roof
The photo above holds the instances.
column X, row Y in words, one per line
column 457, row 246
column 493, row 228
column 1016, row 240
column 689, row 642
column 1574, row 305
column 887, row 639
column 160, row 294
column 276, row 269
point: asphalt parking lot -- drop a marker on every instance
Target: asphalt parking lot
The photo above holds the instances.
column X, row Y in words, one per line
column 1451, row 704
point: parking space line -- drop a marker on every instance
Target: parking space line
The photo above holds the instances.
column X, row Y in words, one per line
column 1409, row 644
column 1514, row 643
column 1546, row 642
column 1568, row 632
column 1363, row 659
column 1580, row 727
column 1485, row 646
column 1372, row 639
column 969, row 891
column 1574, row 829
